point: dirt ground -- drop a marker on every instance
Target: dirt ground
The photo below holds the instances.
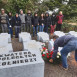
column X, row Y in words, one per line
column 50, row 69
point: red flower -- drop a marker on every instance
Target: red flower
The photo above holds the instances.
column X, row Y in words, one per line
column 47, row 56
column 51, row 53
column 44, row 48
column 51, row 56
column 43, row 55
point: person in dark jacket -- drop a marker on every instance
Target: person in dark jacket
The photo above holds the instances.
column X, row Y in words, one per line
column 47, row 22
column 17, row 25
column 4, row 21
column 35, row 23
column 10, row 24
column 28, row 21
column 69, row 44
column 53, row 22
column 41, row 23
column 59, row 19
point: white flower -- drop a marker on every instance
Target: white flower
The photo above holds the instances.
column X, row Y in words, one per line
column 44, row 53
column 46, row 50
column 10, row 26
column 59, row 53
column 57, row 56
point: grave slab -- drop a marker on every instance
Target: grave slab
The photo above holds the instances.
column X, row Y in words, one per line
column 21, row 64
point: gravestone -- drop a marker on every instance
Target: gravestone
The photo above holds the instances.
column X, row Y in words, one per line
column 5, row 43
column 21, row 64
column 50, row 45
column 39, row 35
column 24, row 37
column 71, row 32
column 32, row 46
column 7, row 36
column 6, row 48
column 75, row 34
column 43, row 37
column 59, row 33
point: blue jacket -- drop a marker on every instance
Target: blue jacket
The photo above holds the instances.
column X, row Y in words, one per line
column 61, row 42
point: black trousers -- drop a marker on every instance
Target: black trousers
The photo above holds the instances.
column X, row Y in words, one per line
column 28, row 27
column 58, row 27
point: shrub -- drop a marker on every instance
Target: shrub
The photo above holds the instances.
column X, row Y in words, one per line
column 68, row 27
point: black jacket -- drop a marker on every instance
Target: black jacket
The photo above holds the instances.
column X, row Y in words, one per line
column 47, row 21
column 35, row 21
column 17, row 21
column 53, row 19
column 11, row 21
column 28, row 18
column 41, row 21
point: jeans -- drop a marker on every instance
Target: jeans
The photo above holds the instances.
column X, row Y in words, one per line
column 23, row 27
column 17, row 31
column 35, row 29
column 41, row 28
column 46, row 28
column 69, row 47
column 4, row 28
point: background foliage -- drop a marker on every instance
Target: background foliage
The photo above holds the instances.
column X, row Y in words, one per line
column 69, row 10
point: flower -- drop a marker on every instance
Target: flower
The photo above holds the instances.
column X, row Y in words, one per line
column 43, row 55
column 47, row 53
column 57, row 56
column 51, row 53
column 47, row 56
column 44, row 48
column 59, row 53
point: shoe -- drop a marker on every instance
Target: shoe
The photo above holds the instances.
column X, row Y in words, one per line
column 65, row 69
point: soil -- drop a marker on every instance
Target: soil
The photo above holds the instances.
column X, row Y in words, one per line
column 50, row 69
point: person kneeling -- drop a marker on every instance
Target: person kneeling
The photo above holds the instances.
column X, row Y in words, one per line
column 69, row 44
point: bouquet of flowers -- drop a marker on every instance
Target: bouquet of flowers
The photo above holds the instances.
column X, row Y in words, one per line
column 48, row 55
column 45, row 54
